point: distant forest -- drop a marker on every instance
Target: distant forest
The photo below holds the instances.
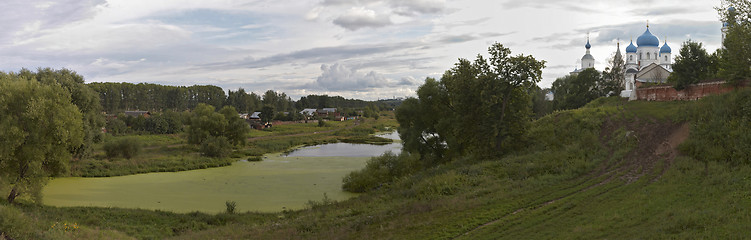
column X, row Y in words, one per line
column 119, row 97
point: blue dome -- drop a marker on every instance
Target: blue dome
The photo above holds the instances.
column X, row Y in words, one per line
column 647, row 40
column 631, row 48
column 665, row 49
column 588, row 46
column 726, row 24
column 731, row 9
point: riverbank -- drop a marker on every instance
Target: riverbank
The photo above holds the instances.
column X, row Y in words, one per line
column 172, row 153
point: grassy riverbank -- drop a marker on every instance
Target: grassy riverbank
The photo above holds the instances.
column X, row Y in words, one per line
column 172, row 153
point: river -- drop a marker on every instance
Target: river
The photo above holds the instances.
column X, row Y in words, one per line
column 277, row 183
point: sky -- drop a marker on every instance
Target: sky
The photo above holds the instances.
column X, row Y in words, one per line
column 363, row 49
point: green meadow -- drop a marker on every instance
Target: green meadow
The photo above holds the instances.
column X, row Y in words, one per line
column 272, row 185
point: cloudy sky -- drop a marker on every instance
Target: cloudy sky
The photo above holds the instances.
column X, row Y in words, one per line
column 366, row 49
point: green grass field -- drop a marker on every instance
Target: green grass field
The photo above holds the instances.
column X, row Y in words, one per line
column 611, row 170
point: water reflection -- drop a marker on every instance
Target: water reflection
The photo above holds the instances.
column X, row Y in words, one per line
column 349, row 149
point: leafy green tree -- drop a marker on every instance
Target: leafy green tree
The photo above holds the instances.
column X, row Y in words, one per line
column 267, row 114
column 215, row 146
column 574, row 91
column 116, row 127
column 540, row 105
column 205, row 122
column 420, row 125
column 691, row 65
column 480, row 107
column 39, row 129
column 735, row 57
column 224, row 126
column 614, row 76
column 82, row 96
column 236, row 129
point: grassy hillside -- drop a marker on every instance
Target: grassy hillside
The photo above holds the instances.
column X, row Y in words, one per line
column 612, row 169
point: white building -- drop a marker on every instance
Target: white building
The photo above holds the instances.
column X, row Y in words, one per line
column 646, row 62
column 587, row 60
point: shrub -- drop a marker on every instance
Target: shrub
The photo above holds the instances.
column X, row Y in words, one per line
column 116, row 127
column 380, row 171
column 216, row 147
column 231, row 205
column 15, row 224
column 126, row 147
column 721, row 129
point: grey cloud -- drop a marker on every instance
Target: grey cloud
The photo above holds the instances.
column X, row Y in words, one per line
column 469, row 37
column 408, row 81
column 547, row 4
column 316, row 55
column 414, row 7
column 357, row 18
column 16, row 15
column 676, row 31
column 472, row 22
column 661, row 11
column 339, row 77
column 402, row 7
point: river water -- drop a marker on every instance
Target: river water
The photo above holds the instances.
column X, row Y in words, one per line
column 278, row 182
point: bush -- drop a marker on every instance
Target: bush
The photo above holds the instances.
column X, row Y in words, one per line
column 217, row 147
column 380, row 171
column 116, row 127
column 721, row 129
column 15, row 224
column 125, row 147
column 231, row 205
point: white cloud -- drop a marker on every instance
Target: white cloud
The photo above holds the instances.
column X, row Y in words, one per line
column 383, row 47
column 339, row 77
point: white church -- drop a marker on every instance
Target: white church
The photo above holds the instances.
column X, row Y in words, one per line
column 646, row 62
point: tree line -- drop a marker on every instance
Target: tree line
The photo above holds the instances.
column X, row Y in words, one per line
column 119, row 97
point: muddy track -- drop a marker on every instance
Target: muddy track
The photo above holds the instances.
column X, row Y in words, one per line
column 656, row 141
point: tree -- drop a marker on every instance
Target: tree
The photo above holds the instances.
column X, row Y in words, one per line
column 691, row 65
column 82, row 96
column 574, row 91
column 420, row 127
column 236, row 129
column 205, row 122
column 221, row 127
column 614, row 76
column 540, row 105
column 40, row 128
column 735, row 57
column 267, row 114
column 480, row 107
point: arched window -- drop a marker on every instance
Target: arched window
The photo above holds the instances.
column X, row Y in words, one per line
column 655, row 55
column 631, row 58
column 648, row 57
column 666, row 58
column 640, row 56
